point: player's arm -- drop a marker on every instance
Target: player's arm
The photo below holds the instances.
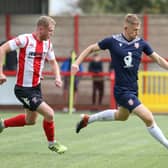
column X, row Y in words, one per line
column 5, row 48
column 56, row 70
column 54, row 66
column 159, row 60
column 90, row 49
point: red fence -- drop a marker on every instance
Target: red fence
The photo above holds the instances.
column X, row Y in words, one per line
column 145, row 60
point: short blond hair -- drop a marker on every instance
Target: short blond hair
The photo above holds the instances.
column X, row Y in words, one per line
column 45, row 21
column 132, row 19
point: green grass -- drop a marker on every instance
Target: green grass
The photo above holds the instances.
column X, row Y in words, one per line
column 100, row 145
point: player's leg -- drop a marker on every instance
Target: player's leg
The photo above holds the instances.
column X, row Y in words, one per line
column 126, row 101
column 121, row 114
column 31, row 117
column 26, row 97
column 20, row 120
column 147, row 117
column 49, row 128
column 16, row 121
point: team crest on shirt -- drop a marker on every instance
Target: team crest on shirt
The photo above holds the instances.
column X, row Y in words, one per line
column 130, row 102
column 136, row 45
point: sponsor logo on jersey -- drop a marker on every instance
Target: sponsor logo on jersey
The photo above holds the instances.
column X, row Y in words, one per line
column 36, row 54
column 128, row 60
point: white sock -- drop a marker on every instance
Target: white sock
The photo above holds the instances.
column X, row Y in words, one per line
column 50, row 143
column 156, row 132
column 106, row 115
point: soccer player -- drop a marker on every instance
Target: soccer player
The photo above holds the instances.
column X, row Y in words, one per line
column 34, row 49
column 126, row 50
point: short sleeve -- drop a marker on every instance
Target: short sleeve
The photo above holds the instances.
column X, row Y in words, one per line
column 105, row 43
column 18, row 42
column 147, row 49
column 51, row 54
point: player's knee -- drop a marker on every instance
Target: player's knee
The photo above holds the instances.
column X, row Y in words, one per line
column 49, row 116
column 124, row 118
column 30, row 122
column 149, row 121
column 121, row 117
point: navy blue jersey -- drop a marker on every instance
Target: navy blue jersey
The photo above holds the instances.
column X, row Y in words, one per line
column 126, row 58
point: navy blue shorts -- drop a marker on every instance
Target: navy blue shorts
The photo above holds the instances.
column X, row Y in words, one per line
column 126, row 98
column 30, row 97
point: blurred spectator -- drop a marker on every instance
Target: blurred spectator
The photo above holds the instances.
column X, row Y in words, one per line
column 10, row 60
column 96, row 66
column 66, row 66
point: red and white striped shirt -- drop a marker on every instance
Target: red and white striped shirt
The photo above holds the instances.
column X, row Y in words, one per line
column 31, row 58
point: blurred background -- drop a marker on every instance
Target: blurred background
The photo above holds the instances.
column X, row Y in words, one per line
column 80, row 23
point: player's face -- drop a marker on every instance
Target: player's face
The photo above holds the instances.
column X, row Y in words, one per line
column 46, row 32
column 51, row 30
column 132, row 31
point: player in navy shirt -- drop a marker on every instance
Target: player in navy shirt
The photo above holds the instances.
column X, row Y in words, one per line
column 126, row 50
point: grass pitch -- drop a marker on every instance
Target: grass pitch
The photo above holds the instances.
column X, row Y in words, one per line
column 100, row 145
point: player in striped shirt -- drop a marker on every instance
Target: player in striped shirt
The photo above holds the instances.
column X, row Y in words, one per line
column 34, row 49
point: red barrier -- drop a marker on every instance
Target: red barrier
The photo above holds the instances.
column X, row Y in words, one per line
column 8, row 27
column 76, row 33
column 110, row 76
column 104, row 59
column 113, row 104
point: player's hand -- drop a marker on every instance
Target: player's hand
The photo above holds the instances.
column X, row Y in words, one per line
column 74, row 69
column 58, row 83
column 2, row 79
column 42, row 78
